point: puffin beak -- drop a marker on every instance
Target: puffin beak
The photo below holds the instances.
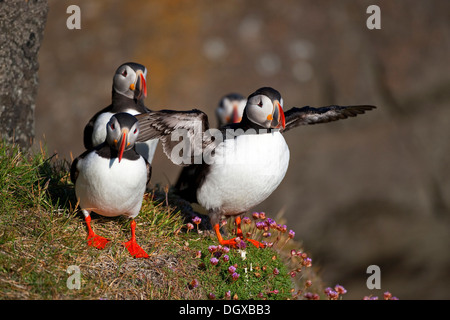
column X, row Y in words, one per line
column 278, row 116
column 123, row 143
column 235, row 116
column 141, row 86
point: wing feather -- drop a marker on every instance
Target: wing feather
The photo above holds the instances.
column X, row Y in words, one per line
column 174, row 127
column 308, row 115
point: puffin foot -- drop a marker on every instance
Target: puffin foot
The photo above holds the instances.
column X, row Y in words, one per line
column 256, row 243
column 93, row 239
column 97, row 241
column 134, row 249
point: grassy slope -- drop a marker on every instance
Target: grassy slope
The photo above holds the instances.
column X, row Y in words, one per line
column 42, row 234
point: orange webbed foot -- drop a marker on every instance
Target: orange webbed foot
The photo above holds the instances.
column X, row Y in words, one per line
column 256, row 243
column 97, row 241
column 134, row 249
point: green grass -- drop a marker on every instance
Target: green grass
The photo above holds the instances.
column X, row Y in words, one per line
column 42, row 234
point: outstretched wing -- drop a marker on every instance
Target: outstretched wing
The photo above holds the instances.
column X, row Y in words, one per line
column 181, row 133
column 308, row 115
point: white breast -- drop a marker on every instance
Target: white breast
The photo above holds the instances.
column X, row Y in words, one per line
column 246, row 170
column 145, row 149
column 110, row 188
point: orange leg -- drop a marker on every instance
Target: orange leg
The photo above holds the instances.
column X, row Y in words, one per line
column 231, row 242
column 238, row 227
column 255, row 243
column 94, row 240
column 133, row 248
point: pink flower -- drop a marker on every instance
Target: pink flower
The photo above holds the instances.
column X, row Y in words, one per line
column 340, row 289
column 214, row 261
column 291, row 234
column 212, row 249
column 231, row 269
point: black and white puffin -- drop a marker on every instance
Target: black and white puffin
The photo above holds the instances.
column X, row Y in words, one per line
column 128, row 93
column 230, row 109
column 243, row 163
column 111, row 179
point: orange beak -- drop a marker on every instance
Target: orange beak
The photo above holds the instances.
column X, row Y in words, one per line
column 281, row 120
column 122, row 145
column 235, row 116
column 277, row 117
column 141, row 86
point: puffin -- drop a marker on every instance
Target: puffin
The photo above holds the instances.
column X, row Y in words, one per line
column 111, row 178
column 238, row 166
column 230, row 108
column 128, row 93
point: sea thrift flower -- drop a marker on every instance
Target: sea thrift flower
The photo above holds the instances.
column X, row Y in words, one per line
column 331, row 294
column 387, row 295
column 225, row 249
column 260, row 225
column 311, row 296
column 231, row 269
column 340, row 289
column 226, row 258
column 189, row 226
column 255, row 215
column 271, row 223
column 211, row 296
column 193, row 284
column 266, row 234
column 246, row 220
column 198, row 254
column 197, row 220
column 235, row 276
column 291, row 234
column 241, row 244
column 228, row 295
column 276, row 271
column 308, row 284
column 262, row 215
column 214, row 261
column 212, row 249
column 307, row 262
column 293, row 253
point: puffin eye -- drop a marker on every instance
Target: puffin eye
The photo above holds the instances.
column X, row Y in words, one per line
column 260, row 104
column 135, row 131
column 112, row 126
column 124, row 73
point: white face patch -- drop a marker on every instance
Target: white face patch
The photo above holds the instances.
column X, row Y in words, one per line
column 124, row 77
column 259, row 110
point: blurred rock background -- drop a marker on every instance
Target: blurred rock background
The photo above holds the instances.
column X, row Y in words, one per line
column 370, row 190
